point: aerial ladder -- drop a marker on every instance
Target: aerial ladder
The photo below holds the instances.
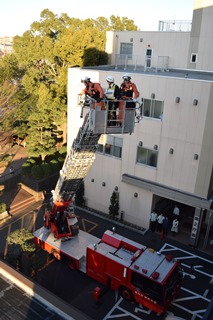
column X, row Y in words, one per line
column 82, row 153
column 95, row 122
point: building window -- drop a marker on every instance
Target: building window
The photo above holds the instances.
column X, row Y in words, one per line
column 152, row 108
column 147, row 156
column 194, row 57
column 112, row 146
column 126, row 49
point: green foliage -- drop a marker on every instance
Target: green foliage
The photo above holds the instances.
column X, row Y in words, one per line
column 122, row 24
column 63, row 151
column 33, row 80
column 36, row 172
column 26, row 168
column 114, row 206
column 55, row 165
column 47, row 169
column 3, row 207
column 94, row 57
column 32, row 161
column 9, row 69
column 22, row 238
column 49, row 157
column 61, row 161
column 38, row 169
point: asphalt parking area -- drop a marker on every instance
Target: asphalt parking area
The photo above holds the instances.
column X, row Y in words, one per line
column 193, row 300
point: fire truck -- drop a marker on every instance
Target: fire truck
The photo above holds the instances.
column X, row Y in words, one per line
column 137, row 272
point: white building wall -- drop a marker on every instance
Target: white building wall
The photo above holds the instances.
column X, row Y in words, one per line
column 201, row 39
column 178, row 46
column 171, row 44
column 185, row 128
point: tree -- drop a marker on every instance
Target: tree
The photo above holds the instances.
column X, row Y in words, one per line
column 122, row 24
column 35, row 76
column 114, row 206
column 23, row 239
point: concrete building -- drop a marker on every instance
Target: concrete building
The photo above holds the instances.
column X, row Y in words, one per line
column 6, row 45
column 168, row 159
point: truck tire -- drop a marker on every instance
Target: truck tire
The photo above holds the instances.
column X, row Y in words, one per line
column 71, row 264
column 126, row 293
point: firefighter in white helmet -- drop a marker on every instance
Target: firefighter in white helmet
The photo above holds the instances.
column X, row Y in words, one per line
column 112, row 95
column 129, row 93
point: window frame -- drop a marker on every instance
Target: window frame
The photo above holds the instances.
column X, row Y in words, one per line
column 149, row 157
column 154, row 110
column 111, row 146
column 126, row 49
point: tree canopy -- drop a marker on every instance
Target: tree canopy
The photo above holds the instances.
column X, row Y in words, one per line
column 33, row 80
column 23, row 239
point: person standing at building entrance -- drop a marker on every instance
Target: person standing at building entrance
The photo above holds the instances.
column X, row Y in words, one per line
column 174, row 229
column 176, row 212
column 112, row 95
column 160, row 219
column 166, row 226
column 93, row 90
column 129, row 93
column 153, row 221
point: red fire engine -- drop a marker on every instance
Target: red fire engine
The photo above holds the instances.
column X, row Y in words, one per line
column 139, row 273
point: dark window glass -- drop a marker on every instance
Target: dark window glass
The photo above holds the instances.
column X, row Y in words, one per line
column 149, row 287
column 152, row 108
column 147, row 156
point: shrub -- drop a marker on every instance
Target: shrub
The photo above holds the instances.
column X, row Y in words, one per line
column 3, row 207
column 114, row 206
column 37, row 172
column 31, row 161
column 55, row 166
column 48, row 158
column 61, row 161
column 63, row 151
column 26, row 168
column 47, row 169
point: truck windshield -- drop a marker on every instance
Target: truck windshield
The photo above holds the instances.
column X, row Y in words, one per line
column 149, row 287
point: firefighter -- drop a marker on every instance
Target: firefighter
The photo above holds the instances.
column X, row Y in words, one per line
column 129, row 93
column 112, row 94
column 93, row 90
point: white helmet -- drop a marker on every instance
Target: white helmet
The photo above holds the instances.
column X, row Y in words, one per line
column 86, row 79
column 126, row 77
column 109, row 79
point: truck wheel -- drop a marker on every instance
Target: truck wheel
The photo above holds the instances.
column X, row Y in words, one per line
column 127, row 294
column 71, row 264
column 56, row 255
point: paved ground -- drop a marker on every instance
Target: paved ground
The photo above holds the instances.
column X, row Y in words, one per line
column 19, row 157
